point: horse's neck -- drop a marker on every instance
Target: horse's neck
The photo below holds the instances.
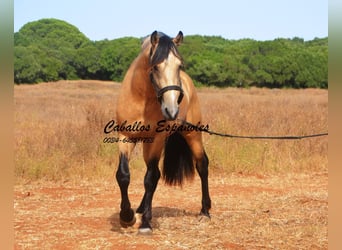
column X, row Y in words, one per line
column 140, row 82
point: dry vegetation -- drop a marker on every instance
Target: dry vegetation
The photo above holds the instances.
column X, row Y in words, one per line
column 59, row 130
column 266, row 194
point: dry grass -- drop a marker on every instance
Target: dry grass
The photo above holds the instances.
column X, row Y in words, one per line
column 59, row 130
column 265, row 194
column 271, row 113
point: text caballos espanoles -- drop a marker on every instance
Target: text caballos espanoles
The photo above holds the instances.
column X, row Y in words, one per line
column 161, row 126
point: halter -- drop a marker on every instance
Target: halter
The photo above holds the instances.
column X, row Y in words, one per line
column 161, row 91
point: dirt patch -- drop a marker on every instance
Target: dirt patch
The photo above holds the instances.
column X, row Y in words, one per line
column 248, row 212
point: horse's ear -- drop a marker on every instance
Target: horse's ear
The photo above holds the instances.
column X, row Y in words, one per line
column 178, row 39
column 154, row 38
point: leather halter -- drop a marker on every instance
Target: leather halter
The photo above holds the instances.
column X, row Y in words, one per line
column 161, row 91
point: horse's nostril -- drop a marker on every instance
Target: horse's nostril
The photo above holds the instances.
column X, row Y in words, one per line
column 171, row 114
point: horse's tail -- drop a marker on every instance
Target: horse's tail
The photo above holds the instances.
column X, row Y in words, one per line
column 178, row 161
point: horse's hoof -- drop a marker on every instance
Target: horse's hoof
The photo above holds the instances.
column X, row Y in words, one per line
column 127, row 218
column 145, row 231
column 204, row 217
column 205, row 213
column 127, row 224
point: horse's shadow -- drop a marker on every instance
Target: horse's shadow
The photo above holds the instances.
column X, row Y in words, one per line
column 158, row 212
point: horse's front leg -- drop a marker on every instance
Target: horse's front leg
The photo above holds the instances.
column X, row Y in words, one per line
column 127, row 215
column 152, row 153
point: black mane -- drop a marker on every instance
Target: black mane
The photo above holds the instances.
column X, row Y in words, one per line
column 165, row 45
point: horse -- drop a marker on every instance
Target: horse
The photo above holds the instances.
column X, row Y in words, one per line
column 155, row 100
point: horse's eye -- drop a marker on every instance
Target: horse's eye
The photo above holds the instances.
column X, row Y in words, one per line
column 155, row 68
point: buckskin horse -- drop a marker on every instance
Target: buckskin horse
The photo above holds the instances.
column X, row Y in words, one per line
column 160, row 97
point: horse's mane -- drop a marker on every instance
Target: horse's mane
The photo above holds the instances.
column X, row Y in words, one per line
column 165, row 45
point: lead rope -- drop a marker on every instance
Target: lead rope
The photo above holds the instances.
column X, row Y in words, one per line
column 290, row 137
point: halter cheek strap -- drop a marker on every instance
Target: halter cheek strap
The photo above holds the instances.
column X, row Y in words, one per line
column 161, row 91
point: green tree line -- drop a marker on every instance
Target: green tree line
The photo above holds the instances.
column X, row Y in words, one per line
column 51, row 50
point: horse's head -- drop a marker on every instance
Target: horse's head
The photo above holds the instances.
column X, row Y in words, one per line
column 166, row 63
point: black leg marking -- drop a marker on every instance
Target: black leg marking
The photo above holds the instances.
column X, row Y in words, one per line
column 202, row 169
column 150, row 183
column 127, row 217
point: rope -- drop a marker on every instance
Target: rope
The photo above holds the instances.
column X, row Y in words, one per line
column 290, row 137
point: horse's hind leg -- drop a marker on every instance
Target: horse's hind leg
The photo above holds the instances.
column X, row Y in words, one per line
column 127, row 215
column 202, row 162
column 202, row 169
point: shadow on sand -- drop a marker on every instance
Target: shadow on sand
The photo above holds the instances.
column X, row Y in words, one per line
column 158, row 212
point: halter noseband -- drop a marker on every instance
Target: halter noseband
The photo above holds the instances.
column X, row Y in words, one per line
column 161, row 91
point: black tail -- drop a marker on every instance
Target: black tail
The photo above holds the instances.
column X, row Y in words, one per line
column 178, row 161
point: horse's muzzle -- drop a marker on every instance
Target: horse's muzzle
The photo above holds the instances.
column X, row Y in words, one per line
column 170, row 114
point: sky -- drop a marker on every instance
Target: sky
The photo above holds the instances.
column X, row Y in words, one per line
column 238, row 19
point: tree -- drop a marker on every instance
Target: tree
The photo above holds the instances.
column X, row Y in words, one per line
column 26, row 67
column 51, row 45
column 51, row 49
column 117, row 55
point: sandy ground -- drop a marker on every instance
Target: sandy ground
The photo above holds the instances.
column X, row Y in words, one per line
column 285, row 211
